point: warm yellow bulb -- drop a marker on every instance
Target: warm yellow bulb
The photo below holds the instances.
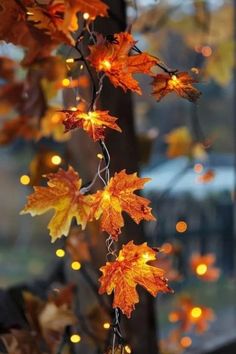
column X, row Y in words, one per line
column 25, row 180
column 196, row 312
column 201, row 269
column 86, row 16
column 106, row 195
column 60, row 253
column 70, row 60
column 100, row 156
column 185, row 342
column 56, row 160
column 128, row 349
column 65, row 82
column 75, row 338
column 75, row 265
column 106, row 325
column 181, row 226
column 105, row 65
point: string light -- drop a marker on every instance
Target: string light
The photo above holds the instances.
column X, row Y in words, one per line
column 65, row 82
column 86, row 16
column 206, row 51
column 196, row 312
column 106, row 325
column 100, row 156
column 56, row 160
column 75, row 338
column 81, row 67
column 181, row 226
column 186, row 342
column 198, row 168
column 201, row 269
column 105, row 65
column 75, row 265
column 74, row 109
column 70, row 60
column 173, row 317
column 128, row 349
column 25, row 180
column 60, row 253
column 167, row 248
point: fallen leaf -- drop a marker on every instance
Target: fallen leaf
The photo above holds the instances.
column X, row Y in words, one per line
column 94, row 122
column 129, row 270
column 118, row 196
column 117, row 63
column 63, row 195
column 181, row 83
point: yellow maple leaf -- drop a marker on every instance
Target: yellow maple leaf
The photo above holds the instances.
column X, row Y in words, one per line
column 63, row 195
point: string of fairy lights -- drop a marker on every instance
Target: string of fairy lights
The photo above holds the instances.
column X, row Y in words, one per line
column 56, row 160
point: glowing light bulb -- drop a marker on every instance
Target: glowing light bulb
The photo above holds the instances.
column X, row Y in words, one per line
column 198, row 167
column 70, row 60
column 173, row 317
column 106, row 325
column 56, row 160
column 81, row 67
column 25, row 180
column 128, row 349
column 74, row 109
column 196, row 312
column 201, row 269
column 60, row 253
column 181, row 226
column 75, row 338
column 65, row 82
column 185, row 342
column 75, row 265
column 105, row 65
column 86, row 16
column 100, row 156
column 106, row 195
column 206, row 51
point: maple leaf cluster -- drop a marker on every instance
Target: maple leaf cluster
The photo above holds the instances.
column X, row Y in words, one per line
column 63, row 194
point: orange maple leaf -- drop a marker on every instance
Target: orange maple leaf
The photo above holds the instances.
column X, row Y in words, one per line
column 116, row 61
column 63, row 195
column 180, row 83
column 94, row 123
column 127, row 271
column 203, row 266
column 117, row 197
column 93, row 9
column 191, row 316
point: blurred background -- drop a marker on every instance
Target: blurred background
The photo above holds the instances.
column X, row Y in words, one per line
column 187, row 149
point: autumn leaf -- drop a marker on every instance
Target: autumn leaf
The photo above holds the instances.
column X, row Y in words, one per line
column 63, row 195
column 207, row 177
column 51, row 125
column 48, row 319
column 203, row 266
column 94, row 122
column 118, row 196
column 19, row 127
column 20, row 341
column 191, row 316
column 117, row 63
column 93, row 8
column 129, row 270
column 180, row 143
column 77, row 246
column 49, row 19
column 15, row 29
column 181, row 83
